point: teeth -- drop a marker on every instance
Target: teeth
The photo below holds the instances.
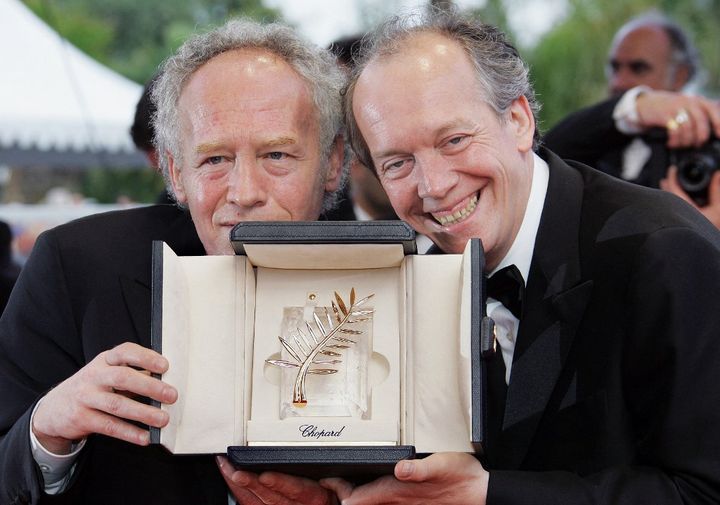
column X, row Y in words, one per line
column 458, row 215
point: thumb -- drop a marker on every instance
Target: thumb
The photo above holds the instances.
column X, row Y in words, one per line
column 412, row 470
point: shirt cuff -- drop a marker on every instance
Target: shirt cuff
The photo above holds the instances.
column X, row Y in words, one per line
column 625, row 113
column 56, row 468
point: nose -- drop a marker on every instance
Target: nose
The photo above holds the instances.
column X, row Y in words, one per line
column 621, row 79
column 436, row 176
column 246, row 185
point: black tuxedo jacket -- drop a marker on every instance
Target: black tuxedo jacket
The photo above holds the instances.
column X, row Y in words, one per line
column 85, row 289
column 590, row 137
column 614, row 396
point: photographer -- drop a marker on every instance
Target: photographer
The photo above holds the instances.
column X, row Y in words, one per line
column 651, row 62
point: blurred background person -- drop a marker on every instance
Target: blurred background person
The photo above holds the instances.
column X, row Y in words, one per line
column 632, row 135
column 142, row 132
column 364, row 199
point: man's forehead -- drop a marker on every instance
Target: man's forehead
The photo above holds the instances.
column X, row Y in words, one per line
column 423, row 50
column 645, row 42
column 248, row 78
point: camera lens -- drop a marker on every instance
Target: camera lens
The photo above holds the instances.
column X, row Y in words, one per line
column 694, row 172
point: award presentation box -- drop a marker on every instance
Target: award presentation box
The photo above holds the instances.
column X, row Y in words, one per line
column 321, row 348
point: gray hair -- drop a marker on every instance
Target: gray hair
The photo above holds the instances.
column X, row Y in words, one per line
column 683, row 52
column 502, row 75
column 316, row 66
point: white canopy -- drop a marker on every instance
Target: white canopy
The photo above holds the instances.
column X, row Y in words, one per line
column 57, row 105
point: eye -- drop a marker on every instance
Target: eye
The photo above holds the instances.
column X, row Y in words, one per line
column 214, row 160
column 454, row 144
column 277, row 155
column 639, row 67
column 396, row 167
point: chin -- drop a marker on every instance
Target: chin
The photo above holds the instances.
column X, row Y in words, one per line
column 219, row 248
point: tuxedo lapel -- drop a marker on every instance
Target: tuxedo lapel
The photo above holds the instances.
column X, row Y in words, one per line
column 556, row 299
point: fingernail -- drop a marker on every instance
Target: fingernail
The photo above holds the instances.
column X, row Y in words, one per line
column 161, row 419
column 220, row 461
column 170, row 394
column 405, row 469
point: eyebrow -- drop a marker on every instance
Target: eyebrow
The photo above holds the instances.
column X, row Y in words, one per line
column 451, row 125
column 440, row 131
column 274, row 142
column 281, row 141
column 207, row 147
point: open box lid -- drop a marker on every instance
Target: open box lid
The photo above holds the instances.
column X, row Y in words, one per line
column 387, row 244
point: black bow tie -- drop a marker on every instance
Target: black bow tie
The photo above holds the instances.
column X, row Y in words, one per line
column 507, row 286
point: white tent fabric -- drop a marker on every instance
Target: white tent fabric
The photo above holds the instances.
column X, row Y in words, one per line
column 54, row 98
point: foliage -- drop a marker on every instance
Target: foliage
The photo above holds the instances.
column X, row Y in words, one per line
column 113, row 186
column 493, row 13
column 134, row 36
column 568, row 63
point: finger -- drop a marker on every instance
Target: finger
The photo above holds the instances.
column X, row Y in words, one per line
column 383, row 490
column 412, row 470
column 114, row 427
column 342, row 488
column 698, row 126
column 135, row 355
column 242, row 496
column 226, row 468
column 713, row 112
column 125, row 408
column 295, row 488
column 123, row 378
column 249, row 482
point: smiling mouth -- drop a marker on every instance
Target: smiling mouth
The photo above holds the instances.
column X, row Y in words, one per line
column 459, row 215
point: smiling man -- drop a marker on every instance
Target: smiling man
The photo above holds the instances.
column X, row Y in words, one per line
column 248, row 128
column 599, row 393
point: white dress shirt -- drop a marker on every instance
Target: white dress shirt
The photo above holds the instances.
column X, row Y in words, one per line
column 627, row 121
column 520, row 255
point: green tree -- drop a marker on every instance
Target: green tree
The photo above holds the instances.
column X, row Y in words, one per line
column 568, row 63
column 134, row 36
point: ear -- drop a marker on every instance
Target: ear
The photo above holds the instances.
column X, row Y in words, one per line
column 335, row 164
column 176, row 179
column 522, row 123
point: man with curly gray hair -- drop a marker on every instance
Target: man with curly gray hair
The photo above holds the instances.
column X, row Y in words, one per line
column 246, row 115
column 248, row 128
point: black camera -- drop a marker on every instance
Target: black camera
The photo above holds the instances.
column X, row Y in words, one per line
column 695, row 168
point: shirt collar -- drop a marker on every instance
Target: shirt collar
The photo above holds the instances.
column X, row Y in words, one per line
column 521, row 250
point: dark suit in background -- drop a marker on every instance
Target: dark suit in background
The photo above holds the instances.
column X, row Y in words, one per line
column 616, row 370
column 85, row 289
column 591, row 137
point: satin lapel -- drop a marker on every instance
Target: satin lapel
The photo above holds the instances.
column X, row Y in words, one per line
column 556, row 300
